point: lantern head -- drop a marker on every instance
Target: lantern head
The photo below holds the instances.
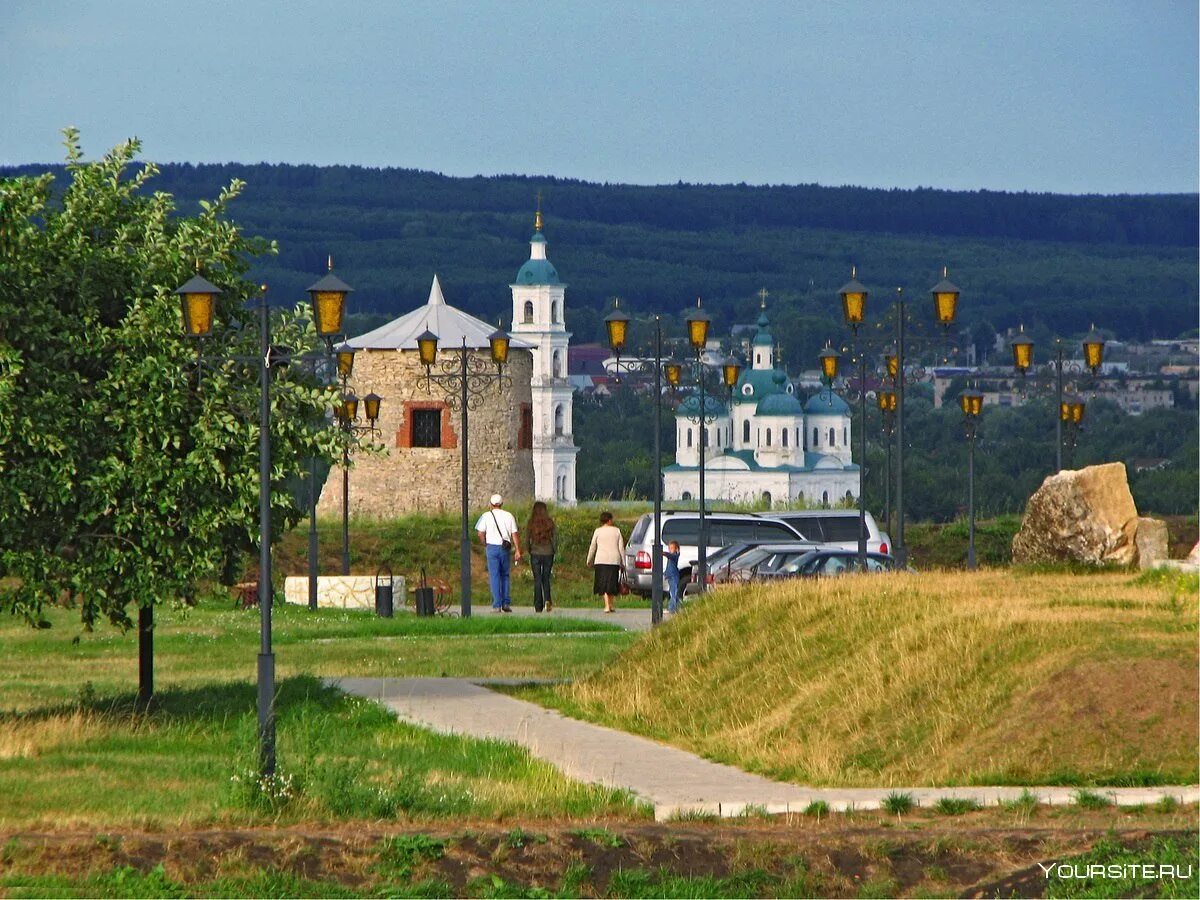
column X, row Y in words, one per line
column 427, row 347
column 891, row 360
column 617, row 324
column 971, row 402
column 887, row 399
column 329, row 303
column 372, row 402
column 1022, row 352
column 673, row 372
column 1093, row 350
column 854, row 300
column 349, row 408
column 344, row 354
column 498, row 340
column 731, row 371
column 697, row 326
column 198, row 299
column 945, row 299
column 829, row 363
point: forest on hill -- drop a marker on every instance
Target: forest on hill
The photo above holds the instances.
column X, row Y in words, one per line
column 1055, row 263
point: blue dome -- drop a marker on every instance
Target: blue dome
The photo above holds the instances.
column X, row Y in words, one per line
column 779, row 405
column 537, row 271
column 826, row 403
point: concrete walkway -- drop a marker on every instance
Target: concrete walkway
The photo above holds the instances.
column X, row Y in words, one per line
column 629, row 619
column 674, row 781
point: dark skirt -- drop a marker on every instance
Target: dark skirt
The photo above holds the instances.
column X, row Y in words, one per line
column 606, row 579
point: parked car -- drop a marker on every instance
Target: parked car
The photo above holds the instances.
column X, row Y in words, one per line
column 836, row 528
column 823, row 563
column 744, row 562
column 724, row 530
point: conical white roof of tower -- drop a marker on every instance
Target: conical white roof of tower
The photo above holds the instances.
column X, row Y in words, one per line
column 449, row 324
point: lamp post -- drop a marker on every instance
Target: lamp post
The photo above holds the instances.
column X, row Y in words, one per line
column 347, row 418
column 887, row 409
column 464, row 383
column 1093, row 358
column 1070, row 413
column 971, row 403
column 617, row 325
column 945, row 305
column 854, row 307
column 198, row 302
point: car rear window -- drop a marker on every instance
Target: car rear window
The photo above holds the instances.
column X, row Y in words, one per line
column 640, row 529
column 841, row 528
column 685, row 531
column 773, row 531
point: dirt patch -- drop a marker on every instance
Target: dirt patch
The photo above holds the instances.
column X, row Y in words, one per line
column 1100, row 717
column 977, row 854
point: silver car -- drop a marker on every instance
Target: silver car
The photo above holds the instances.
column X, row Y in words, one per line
column 836, row 529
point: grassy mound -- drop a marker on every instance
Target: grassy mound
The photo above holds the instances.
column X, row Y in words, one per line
column 1000, row 676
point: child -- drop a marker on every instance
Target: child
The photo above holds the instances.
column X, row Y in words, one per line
column 671, row 555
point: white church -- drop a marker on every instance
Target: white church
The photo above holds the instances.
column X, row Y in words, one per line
column 764, row 446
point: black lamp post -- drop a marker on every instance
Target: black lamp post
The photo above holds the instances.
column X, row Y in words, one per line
column 464, row 383
column 971, row 403
column 887, row 409
column 1093, row 358
column 854, row 307
column 945, row 306
column 347, row 419
column 198, row 302
column 1070, row 414
column 617, row 325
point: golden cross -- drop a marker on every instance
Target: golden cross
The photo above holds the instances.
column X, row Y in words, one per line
column 762, row 296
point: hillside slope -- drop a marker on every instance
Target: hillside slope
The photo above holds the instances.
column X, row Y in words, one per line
column 993, row 677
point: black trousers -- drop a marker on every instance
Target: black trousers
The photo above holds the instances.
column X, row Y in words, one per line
column 541, row 566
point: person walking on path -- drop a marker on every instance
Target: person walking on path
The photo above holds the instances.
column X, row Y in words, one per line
column 543, row 542
column 671, row 555
column 606, row 555
column 498, row 533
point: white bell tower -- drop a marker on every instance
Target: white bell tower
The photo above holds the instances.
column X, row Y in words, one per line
column 538, row 304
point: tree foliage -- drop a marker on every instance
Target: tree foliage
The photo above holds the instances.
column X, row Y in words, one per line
column 124, row 479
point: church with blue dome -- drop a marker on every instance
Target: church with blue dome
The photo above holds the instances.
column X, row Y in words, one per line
column 764, row 445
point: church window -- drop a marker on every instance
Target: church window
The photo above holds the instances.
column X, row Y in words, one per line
column 558, row 364
column 687, row 495
column 766, row 499
column 845, row 438
column 704, row 436
column 528, row 312
column 758, row 359
column 718, row 437
column 426, row 428
column 689, row 437
column 832, row 438
column 784, row 436
column 824, row 498
column 798, row 438
column 768, row 437
column 815, row 441
column 747, row 389
column 554, row 312
column 558, row 421
column 746, row 432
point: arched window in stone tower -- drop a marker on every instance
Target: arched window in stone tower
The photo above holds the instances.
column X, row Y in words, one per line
column 554, row 312
column 557, row 369
column 845, row 437
column 784, row 436
column 528, row 320
column 815, row 441
column 832, row 438
column 689, row 437
column 768, row 437
column 746, row 432
column 559, row 422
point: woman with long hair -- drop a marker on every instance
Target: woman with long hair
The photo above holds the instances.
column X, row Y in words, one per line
column 543, row 542
column 607, row 555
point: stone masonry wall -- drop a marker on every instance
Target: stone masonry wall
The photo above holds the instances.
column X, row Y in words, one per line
column 427, row 479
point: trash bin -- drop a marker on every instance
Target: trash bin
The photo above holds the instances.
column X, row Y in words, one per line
column 424, row 594
column 383, row 592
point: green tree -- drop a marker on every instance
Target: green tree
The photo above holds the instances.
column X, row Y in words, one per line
column 125, row 480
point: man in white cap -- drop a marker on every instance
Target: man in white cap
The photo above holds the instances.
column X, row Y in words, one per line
column 498, row 533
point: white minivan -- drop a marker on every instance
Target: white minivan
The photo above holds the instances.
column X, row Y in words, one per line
column 836, row 528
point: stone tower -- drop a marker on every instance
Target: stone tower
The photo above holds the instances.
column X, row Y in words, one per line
column 538, row 298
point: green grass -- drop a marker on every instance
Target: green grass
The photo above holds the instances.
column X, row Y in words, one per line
column 1126, row 879
column 898, row 804
column 955, row 806
column 74, row 749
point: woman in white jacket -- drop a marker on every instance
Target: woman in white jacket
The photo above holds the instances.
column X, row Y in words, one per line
column 606, row 555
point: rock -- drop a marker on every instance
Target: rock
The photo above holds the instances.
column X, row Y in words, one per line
column 1151, row 539
column 1194, row 556
column 1085, row 515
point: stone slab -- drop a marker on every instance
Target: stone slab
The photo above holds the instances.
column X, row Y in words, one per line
column 675, row 782
column 343, row 591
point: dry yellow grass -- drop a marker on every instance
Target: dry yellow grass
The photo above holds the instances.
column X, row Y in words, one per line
column 930, row 678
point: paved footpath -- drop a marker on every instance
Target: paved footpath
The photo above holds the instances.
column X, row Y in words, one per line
column 674, row 781
column 629, row 619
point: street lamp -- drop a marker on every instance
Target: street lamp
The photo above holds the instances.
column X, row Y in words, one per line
column 945, row 296
column 464, row 383
column 971, row 403
column 346, row 414
column 854, row 308
column 617, row 325
column 887, row 409
column 198, row 301
column 1070, row 414
column 1023, row 362
column 697, row 331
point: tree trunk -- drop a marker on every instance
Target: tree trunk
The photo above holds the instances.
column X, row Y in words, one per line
column 145, row 655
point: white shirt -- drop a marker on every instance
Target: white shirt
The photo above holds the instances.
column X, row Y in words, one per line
column 489, row 521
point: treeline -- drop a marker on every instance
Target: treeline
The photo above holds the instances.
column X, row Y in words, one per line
column 1054, row 263
column 1015, row 452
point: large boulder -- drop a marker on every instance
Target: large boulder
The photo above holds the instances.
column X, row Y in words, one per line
column 1085, row 515
column 1152, row 542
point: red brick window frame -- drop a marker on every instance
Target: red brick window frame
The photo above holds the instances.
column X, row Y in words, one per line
column 404, row 436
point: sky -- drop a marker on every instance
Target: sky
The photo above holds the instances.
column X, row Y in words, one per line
column 1095, row 96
